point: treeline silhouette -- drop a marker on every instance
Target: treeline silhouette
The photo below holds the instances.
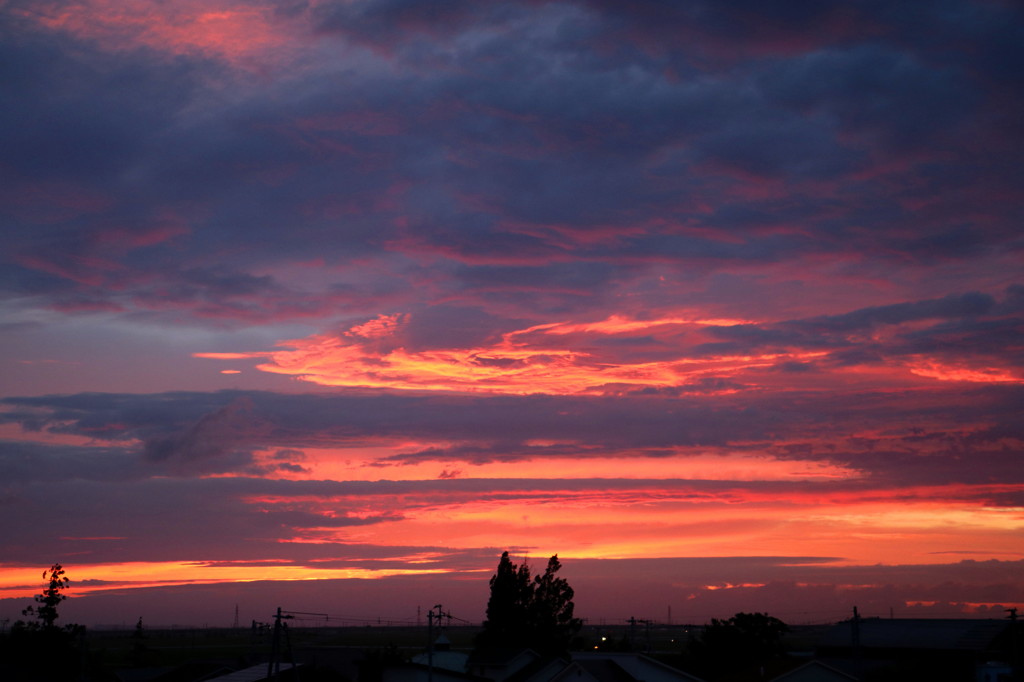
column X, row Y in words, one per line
column 524, row 611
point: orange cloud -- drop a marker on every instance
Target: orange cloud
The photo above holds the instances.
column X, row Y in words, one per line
column 672, row 518
column 367, row 463
column 945, row 371
column 614, row 355
column 539, row 359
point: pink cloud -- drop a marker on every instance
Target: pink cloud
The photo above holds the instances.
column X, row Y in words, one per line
column 243, row 34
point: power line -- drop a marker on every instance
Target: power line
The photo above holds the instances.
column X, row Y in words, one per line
column 308, row 617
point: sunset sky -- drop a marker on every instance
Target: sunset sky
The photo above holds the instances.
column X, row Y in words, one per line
column 323, row 304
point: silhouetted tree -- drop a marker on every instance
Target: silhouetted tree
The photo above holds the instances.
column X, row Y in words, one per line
column 551, row 610
column 535, row 613
column 140, row 654
column 49, row 599
column 508, row 606
column 39, row 649
column 745, row 640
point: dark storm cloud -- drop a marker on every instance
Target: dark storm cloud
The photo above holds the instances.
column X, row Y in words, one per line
column 448, row 326
column 964, row 306
column 172, row 420
column 293, row 522
column 471, row 131
column 972, row 435
column 385, row 23
column 213, row 436
column 579, row 279
column 953, row 328
column 884, row 92
column 25, row 462
column 243, row 519
column 788, row 148
column 954, row 462
column 154, row 519
column 85, row 114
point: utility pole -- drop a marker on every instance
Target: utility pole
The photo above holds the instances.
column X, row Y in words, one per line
column 274, row 664
column 431, row 616
column 647, row 632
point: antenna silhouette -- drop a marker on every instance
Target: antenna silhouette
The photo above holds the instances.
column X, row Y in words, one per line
column 431, row 616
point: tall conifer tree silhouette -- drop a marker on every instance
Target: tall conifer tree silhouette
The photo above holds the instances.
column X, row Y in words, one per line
column 530, row 613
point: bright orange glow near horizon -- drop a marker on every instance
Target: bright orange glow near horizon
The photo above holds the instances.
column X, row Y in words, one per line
column 623, row 525
column 15, row 582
